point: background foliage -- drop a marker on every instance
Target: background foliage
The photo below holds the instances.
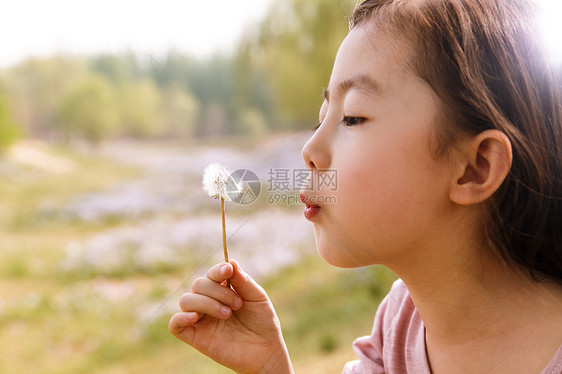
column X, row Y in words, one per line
column 272, row 83
column 100, row 220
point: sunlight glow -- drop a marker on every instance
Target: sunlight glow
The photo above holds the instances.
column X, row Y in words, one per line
column 200, row 27
column 552, row 28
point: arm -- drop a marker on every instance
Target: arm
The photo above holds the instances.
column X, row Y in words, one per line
column 236, row 327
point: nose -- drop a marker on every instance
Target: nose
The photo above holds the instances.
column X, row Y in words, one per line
column 315, row 152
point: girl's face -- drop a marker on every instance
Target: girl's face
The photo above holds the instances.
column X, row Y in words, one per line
column 376, row 133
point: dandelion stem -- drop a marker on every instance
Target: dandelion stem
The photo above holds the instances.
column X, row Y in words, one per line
column 224, row 237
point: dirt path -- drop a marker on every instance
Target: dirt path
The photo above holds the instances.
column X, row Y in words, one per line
column 167, row 219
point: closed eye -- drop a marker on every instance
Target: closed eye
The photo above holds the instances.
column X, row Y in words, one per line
column 353, row 121
column 317, row 127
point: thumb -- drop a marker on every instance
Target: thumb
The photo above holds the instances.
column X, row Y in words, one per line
column 245, row 286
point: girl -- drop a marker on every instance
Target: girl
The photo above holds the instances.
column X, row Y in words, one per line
column 443, row 120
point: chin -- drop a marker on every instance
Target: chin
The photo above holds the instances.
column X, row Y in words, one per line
column 337, row 261
column 332, row 252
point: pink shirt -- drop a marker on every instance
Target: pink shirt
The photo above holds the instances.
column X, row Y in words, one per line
column 397, row 344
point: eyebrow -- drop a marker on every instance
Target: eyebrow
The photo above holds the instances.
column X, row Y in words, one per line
column 362, row 82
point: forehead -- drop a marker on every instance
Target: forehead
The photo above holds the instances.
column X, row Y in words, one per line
column 368, row 56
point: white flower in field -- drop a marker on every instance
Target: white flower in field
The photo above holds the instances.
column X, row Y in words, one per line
column 218, row 183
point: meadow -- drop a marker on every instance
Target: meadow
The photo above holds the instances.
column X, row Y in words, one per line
column 98, row 245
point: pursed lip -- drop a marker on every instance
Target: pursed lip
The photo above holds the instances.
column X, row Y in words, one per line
column 311, row 209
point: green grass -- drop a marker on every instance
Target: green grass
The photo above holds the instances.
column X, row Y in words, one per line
column 323, row 309
column 70, row 322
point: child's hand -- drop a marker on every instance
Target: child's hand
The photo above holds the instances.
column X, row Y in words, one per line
column 238, row 329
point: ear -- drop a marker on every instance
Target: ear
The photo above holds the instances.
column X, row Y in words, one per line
column 482, row 168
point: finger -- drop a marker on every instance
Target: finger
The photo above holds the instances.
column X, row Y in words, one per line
column 220, row 272
column 245, row 286
column 191, row 302
column 180, row 321
column 225, row 295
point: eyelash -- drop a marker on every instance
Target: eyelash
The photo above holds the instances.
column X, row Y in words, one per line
column 348, row 121
column 353, row 121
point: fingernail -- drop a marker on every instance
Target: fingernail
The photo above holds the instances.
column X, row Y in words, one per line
column 223, row 269
column 237, row 302
column 224, row 311
column 192, row 316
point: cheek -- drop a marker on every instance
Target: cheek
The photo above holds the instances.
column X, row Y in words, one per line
column 384, row 194
column 376, row 184
column 368, row 201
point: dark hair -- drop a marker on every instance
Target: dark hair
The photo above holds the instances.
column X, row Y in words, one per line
column 484, row 60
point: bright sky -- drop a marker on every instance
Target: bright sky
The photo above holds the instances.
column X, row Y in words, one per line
column 552, row 27
column 41, row 28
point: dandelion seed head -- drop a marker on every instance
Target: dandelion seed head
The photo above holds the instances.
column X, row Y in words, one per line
column 215, row 179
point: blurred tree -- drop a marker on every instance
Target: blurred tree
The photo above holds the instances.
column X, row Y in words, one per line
column 139, row 104
column 179, row 113
column 175, row 69
column 295, row 46
column 273, row 82
column 9, row 130
column 209, row 82
column 252, row 90
column 118, row 69
column 88, row 111
column 214, row 88
column 36, row 87
column 252, row 122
